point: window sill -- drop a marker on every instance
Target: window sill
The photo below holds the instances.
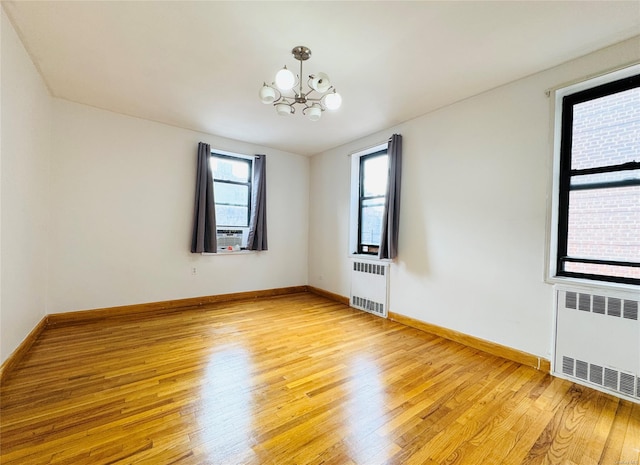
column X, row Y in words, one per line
column 232, row 252
column 590, row 283
column 372, row 258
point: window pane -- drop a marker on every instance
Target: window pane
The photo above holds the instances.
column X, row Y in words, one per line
column 606, row 131
column 371, row 221
column 603, row 270
column 231, row 216
column 375, row 175
column 229, row 169
column 231, row 194
column 605, row 224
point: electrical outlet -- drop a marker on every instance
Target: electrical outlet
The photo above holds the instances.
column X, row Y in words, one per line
column 194, row 271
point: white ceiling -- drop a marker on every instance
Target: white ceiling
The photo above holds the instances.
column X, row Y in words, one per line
column 199, row 65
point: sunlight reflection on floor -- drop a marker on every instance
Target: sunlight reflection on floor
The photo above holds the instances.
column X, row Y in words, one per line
column 365, row 413
column 227, row 404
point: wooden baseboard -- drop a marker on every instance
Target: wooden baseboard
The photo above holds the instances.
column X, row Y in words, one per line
column 329, row 295
column 22, row 349
column 477, row 343
column 83, row 316
column 133, row 311
column 471, row 341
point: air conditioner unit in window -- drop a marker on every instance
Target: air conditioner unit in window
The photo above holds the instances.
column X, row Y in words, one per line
column 229, row 239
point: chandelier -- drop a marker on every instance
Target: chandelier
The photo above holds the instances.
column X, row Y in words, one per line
column 326, row 97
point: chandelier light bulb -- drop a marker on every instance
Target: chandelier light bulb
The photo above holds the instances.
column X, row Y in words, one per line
column 314, row 112
column 285, row 79
column 267, row 94
column 320, row 83
column 333, row 101
column 284, row 109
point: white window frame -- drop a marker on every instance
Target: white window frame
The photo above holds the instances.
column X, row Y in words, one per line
column 553, row 217
column 354, row 201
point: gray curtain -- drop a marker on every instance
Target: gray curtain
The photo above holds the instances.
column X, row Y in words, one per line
column 257, row 239
column 204, row 217
column 391, row 213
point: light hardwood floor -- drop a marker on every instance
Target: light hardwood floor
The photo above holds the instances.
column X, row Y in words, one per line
column 297, row 379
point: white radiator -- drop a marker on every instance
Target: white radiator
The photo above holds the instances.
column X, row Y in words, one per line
column 597, row 340
column 370, row 286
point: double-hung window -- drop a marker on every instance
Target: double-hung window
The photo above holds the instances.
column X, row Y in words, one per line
column 374, row 174
column 370, row 175
column 232, row 177
column 598, row 180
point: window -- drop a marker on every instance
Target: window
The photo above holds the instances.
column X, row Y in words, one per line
column 374, row 173
column 370, row 174
column 232, row 176
column 598, row 180
column 232, row 190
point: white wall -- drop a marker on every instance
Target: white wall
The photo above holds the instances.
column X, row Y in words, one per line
column 473, row 214
column 24, row 182
column 123, row 190
column 96, row 208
